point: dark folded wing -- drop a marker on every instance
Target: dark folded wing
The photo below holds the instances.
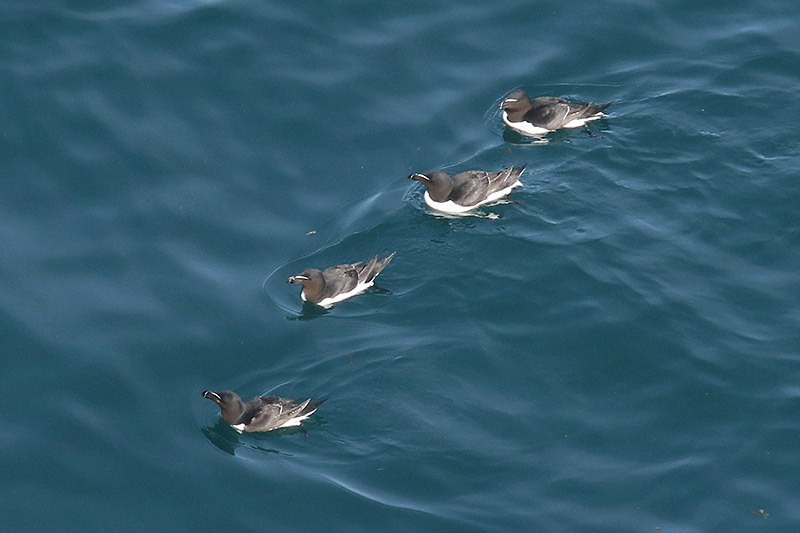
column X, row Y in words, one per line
column 262, row 416
column 339, row 279
column 550, row 112
column 503, row 179
column 470, row 188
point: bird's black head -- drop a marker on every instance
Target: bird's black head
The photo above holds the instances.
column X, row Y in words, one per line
column 230, row 404
column 312, row 281
column 438, row 184
column 515, row 101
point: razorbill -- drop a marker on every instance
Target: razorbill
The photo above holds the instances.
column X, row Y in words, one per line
column 467, row 190
column 262, row 413
column 546, row 113
column 338, row 283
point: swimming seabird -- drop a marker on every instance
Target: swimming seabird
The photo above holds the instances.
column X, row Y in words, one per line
column 338, row 283
column 262, row 413
column 467, row 190
column 546, row 113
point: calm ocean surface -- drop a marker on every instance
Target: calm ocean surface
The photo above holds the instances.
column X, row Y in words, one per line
column 618, row 349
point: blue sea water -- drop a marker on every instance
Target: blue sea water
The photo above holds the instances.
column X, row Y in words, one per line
column 616, row 349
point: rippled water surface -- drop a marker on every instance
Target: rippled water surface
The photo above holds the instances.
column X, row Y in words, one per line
column 617, row 348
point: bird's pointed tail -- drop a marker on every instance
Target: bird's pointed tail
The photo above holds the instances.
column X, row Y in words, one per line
column 373, row 268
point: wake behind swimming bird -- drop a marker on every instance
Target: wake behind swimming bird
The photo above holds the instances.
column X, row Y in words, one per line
column 547, row 113
column 262, row 413
column 467, row 190
column 339, row 282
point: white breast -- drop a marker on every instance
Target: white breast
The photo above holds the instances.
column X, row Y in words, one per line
column 295, row 421
column 451, row 207
column 361, row 287
column 524, row 127
column 578, row 122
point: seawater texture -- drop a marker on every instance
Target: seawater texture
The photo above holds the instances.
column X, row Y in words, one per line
column 617, row 348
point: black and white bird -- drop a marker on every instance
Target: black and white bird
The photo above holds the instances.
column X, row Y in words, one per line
column 262, row 413
column 546, row 113
column 467, row 190
column 338, row 283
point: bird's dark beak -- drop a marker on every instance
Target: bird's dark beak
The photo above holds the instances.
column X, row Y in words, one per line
column 211, row 395
column 297, row 279
column 417, row 177
column 505, row 102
